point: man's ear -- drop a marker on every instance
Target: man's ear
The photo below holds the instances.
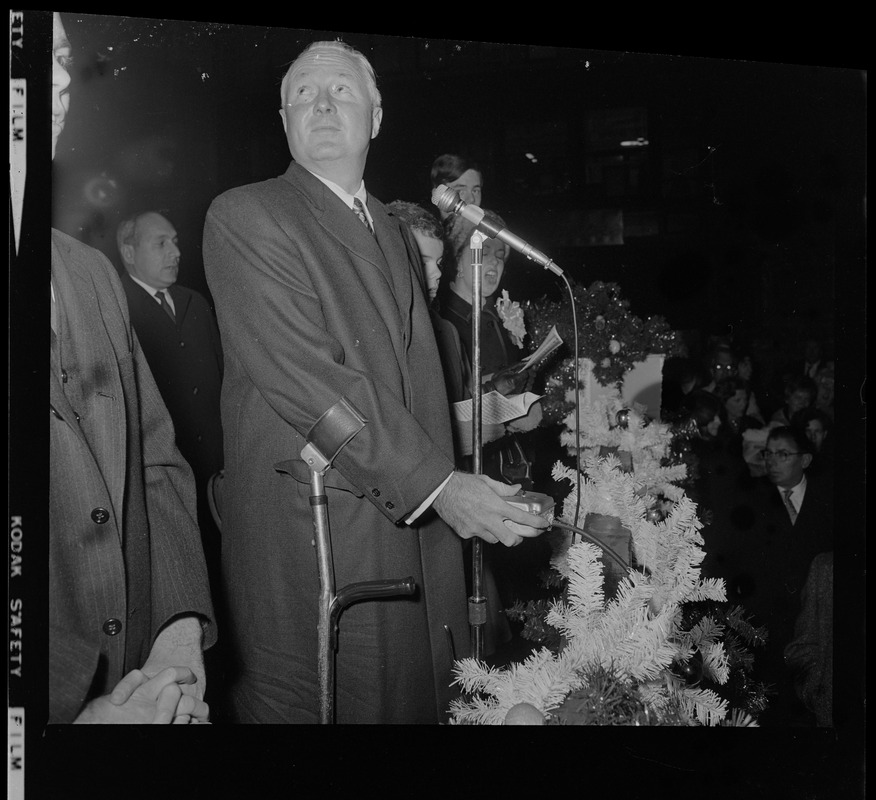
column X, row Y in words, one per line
column 283, row 117
column 806, row 460
column 127, row 252
column 376, row 119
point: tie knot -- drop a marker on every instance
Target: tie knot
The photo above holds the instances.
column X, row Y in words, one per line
column 359, row 211
column 165, row 304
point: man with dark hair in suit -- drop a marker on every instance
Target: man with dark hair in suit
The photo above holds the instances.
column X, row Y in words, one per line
column 129, row 603
column 320, row 296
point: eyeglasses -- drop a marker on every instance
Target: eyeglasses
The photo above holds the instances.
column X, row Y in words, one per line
column 780, row 455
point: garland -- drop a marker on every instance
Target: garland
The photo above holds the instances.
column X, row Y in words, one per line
column 611, row 337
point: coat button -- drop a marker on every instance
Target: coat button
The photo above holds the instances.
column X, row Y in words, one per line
column 64, row 375
column 195, row 390
column 389, row 505
column 375, row 492
column 100, row 515
column 112, row 627
column 182, row 344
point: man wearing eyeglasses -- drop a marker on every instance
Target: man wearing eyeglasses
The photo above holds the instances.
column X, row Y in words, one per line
column 793, row 522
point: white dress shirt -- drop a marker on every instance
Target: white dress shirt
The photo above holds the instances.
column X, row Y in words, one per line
column 347, row 197
column 154, row 292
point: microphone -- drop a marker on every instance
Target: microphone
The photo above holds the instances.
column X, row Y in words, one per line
column 450, row 202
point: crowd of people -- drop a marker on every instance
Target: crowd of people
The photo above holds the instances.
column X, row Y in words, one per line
column 762, row 471
column 181, row 514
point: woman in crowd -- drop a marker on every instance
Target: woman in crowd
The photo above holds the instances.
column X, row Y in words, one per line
column 507, row 449
column 747, row 373
column 800, row 393
column 500, row 348
column 824, row 389
column 740, row 430
column 817, row 426
column 734, row 396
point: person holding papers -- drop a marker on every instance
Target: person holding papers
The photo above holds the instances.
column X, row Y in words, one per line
column 501, row 350
column 507, row 452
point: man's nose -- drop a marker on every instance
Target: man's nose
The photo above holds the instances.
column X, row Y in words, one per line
column 60, row 82
column 324, row 102
column 60, row 78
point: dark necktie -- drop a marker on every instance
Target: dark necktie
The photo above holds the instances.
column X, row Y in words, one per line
column 792, row 512
column 162, row 296
column 359, row 211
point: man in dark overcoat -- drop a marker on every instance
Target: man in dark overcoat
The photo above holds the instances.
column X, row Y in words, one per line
column 320, row 295
column 180, row 339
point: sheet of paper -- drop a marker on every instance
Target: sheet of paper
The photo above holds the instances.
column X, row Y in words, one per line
column 496, row 408
column 551, row 342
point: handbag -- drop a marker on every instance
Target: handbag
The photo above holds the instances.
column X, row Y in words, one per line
column 505, row 460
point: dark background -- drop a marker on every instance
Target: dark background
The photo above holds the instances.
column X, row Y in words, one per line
column 755, row 173
column 736, row 218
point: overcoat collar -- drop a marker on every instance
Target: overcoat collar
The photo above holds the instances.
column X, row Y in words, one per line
column 385, row 250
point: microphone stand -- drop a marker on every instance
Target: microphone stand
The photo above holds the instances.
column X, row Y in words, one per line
column 477, row 603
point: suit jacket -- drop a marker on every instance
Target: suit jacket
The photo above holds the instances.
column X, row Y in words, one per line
column 124, row 549
column 312, row 308
column 764, row 560
column 185, row 359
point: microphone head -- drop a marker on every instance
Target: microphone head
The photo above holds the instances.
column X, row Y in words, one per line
column 446, row 199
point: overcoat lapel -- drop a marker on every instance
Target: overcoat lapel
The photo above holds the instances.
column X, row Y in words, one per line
column 395, row 254
column 180, row 302
column 390, row 291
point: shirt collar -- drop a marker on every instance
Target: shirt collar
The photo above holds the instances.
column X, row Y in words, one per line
column 345, row 195
column 796, row 491
column 151, row 289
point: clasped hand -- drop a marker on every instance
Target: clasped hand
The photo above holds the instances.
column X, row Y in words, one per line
column 473, row 506
column 159, row 700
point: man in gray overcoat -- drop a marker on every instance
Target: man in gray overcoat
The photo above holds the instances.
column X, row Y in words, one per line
column 320, row 295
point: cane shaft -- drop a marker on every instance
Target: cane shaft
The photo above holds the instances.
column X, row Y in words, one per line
column 326, row 656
